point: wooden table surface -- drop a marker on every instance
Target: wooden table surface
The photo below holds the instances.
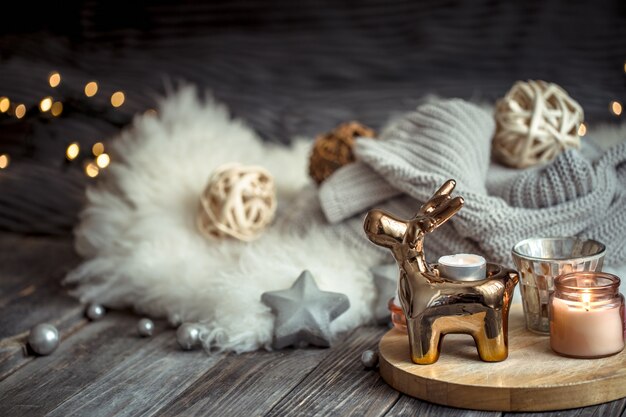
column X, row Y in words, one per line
column 104, row 369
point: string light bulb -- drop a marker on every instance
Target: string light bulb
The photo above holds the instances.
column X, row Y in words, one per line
column 72, row 151
column 4, row 161
column 20, row 111
column 582, row 130
column 97, row 148
column 54, row 79
column 616, row 108
column 91, row 88
column 5, row 104
column 103, row 160
column 91, row 170
column 45, row 104
column 56, row 109
column 117, row 99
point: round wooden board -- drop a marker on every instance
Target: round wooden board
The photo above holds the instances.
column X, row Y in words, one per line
column 533, row 378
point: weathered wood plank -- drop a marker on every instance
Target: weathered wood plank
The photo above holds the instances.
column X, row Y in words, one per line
column 96, row 356
column 613, row 408
column 153, row 372
column 31, row 270
column 340, row 385
column 409, row 406
column 246, row 385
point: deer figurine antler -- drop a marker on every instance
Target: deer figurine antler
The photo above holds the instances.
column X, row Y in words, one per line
column 435, row 305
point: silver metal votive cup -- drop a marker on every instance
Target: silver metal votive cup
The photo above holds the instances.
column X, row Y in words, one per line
column 540, row 260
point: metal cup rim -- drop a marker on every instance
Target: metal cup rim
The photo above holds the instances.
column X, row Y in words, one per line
column 596, row 255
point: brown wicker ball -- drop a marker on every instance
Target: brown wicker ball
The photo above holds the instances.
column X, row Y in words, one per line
column 333, row 150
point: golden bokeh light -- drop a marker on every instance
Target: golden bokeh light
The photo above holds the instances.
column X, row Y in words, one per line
column 4, row 161
column 91, row 88
column 72, row 151
column 97, row 148
column 103, row 160
column 5, row 103
column 54, row 79
column 20, row 111
column 56, row 109
column 616, row 108
column 117, row 99
column 45, row 104
column 92, row 170
column 582, row 130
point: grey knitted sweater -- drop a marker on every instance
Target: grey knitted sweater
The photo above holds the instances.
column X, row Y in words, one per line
column 416, row 153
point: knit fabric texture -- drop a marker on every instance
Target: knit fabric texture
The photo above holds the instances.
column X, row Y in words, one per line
column 571, row 196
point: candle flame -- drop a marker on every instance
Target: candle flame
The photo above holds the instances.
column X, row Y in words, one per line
column 586, row 297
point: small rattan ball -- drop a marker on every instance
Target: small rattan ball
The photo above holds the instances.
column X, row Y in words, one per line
column 535, row 121
column 333, row 150
column 238, row 201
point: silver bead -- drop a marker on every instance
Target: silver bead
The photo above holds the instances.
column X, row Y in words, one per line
column 175, row 320
column 43, row 339
column 369, row 359
column 188, row 336
column 95, row 312
column 145, row 327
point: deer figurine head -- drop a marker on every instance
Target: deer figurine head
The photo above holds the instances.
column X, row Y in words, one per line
column 435, row 305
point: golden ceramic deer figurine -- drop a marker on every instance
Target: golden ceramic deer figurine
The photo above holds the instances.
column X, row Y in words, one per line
column 435, row 305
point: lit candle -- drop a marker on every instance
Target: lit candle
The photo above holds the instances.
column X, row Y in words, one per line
column 586, row 315
column 463, row 267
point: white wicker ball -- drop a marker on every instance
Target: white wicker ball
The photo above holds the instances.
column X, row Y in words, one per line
column 238, row 201
column 535, row 121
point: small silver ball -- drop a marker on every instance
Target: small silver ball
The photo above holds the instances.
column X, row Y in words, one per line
column 188, row 336
column 369, row 359
column 43, row 339
column 175, row 320
column 145, row 327
column 95, row 312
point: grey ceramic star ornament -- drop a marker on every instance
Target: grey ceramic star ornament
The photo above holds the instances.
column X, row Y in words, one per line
column 304, row 313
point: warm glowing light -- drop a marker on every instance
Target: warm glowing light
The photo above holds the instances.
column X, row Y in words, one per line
column 117, row 99
column 57, row 108
column 616, row 108
column 20, row 111
column 103, row 160
column 4, row 161
column 72, row 151
column 92, row 170
column 586, row 297
column 582, row 130
column 5, row 103
column 45, row 104
column 54, row 79
column 624, row 66
column 97, row 148
column 91, row 88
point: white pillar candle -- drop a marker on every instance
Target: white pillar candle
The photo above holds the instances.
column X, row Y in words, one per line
column 463, row 267
column 584, row 329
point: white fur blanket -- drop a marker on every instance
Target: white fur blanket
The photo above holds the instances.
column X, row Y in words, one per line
column 138, row 231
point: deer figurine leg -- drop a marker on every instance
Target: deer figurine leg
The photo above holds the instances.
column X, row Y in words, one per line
column 424, row 339
column 490, row 339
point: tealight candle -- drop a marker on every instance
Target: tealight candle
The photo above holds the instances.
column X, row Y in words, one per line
column 586, row 315
column 463, row 267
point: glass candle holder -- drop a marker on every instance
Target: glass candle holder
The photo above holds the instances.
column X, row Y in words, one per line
column 540, row 260
column 587, row 315
column 397, row 315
